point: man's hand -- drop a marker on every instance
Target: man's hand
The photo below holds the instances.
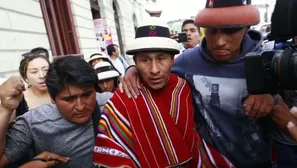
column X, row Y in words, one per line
column 281, row 113
column 50, row 160
column 11, row 93
column 174, row 36
column 292, row 128
column 257, row 106
column 130, row 83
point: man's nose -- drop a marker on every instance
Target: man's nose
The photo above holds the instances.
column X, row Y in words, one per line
column 188, row 33
column 220, row 39
column 80, row 105
column 155, row 68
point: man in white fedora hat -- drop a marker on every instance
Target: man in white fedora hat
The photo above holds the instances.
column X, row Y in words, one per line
column 157, row 129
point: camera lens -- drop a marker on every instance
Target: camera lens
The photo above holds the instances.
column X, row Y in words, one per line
column 285, row 68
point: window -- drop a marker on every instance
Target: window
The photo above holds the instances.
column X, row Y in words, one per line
column 135, row 22
column 118, row 28
column 60, row 28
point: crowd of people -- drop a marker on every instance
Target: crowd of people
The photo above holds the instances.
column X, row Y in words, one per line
column 173, row 108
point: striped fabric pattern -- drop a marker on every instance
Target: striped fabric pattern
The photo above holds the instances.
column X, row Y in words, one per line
column 174, row 111
column 153, row 131
column 160, row 127
column 115, row 126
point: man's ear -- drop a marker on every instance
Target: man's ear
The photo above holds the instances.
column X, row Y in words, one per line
column 172, row 56
column 246, row 30
column 53, row 101
column 134, row 58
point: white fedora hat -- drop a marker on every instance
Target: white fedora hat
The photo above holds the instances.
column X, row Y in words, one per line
column 152, row 35
column 106, row 71
column 97, row 56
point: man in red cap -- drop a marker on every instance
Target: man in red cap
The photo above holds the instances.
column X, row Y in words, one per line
column 227, row 116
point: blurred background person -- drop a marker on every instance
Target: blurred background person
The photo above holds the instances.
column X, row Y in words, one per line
column 108, row 76
column 193, row 33
column 97, row 57
column 118, row 61
column 33, row 69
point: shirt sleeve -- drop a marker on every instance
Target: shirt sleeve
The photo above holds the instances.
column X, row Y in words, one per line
column 124, row 63
column 19, row 138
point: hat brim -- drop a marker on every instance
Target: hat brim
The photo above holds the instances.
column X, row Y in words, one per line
column 97, row 57
column 107, row 75
column 152, row 44
column 228, row 17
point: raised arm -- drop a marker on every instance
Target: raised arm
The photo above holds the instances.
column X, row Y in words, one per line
column 11, row 93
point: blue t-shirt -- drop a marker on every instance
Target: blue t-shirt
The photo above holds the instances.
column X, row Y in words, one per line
column 219, row 90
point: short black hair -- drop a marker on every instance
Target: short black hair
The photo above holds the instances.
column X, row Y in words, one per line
column 39, row 50
column 189, row 21
column 110, row 49
column 69, row 70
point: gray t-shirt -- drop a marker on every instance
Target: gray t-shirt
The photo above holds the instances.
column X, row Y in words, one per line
column 45, row 129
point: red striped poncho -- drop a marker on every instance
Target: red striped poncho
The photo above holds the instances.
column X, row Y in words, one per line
column 156, row 130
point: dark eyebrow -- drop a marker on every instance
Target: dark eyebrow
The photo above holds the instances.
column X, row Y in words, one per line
column 37, row 68
column 77, row 95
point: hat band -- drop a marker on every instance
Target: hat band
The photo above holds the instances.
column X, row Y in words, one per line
column 226, row 3
column 93, row 55
column 152, row 31
column 104, row 69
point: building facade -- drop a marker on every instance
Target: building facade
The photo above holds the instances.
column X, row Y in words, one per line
column 64, row 27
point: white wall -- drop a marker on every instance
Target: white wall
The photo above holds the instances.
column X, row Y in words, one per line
column 83, row 22
column 126, row 9
column 21, row 29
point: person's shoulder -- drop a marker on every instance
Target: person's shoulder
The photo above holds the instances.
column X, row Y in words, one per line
column 120, row 99
column 191, row 51
column 183, row 81
column 41, row 114
column 120, row 96
column 188, row 54
column 102, row 98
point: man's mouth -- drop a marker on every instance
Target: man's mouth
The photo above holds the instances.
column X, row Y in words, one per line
column 221, row 52
column 155, row 80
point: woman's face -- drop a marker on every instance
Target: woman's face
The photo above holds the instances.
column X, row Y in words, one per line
column 95, row 61
column 36, row 72
column 107, row 85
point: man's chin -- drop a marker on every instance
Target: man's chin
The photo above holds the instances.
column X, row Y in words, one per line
column 188, row 45
column 81, row 120
column 225, row 58
column 157, row 86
